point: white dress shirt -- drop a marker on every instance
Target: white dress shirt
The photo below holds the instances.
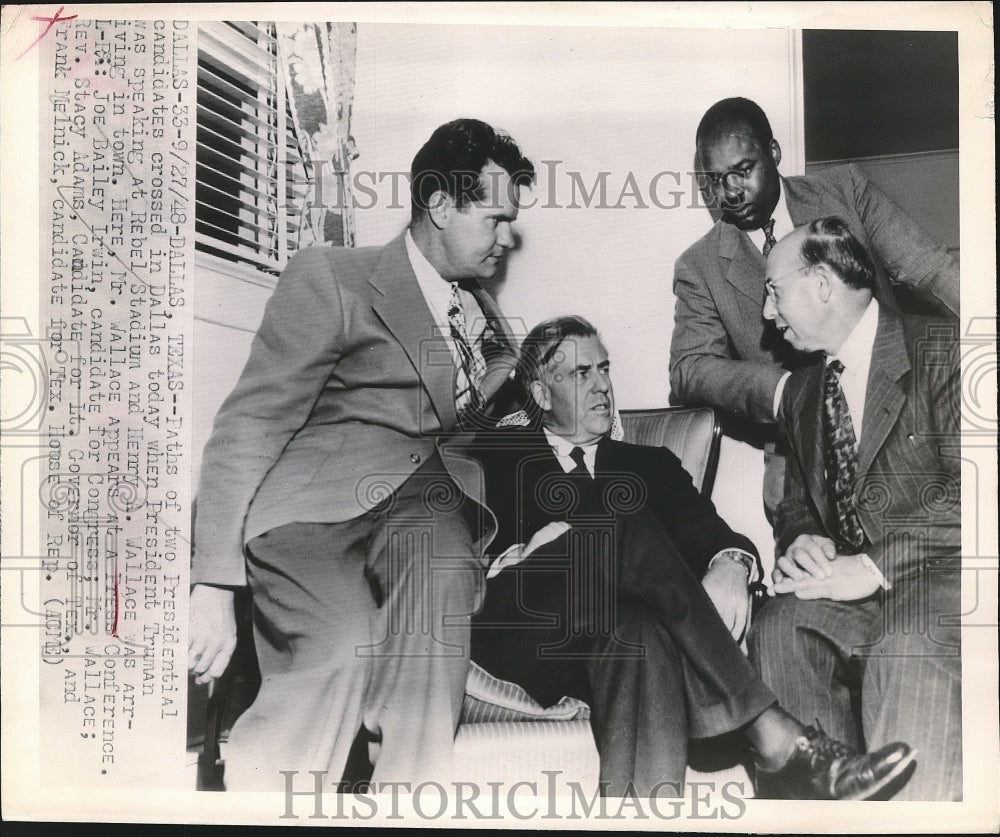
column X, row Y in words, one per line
column 856, row 355
column 562, row 449
column 782, row 223
column 782, row 226
column 437, row 292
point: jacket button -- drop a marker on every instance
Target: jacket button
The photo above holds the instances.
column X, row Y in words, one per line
column 414, row 458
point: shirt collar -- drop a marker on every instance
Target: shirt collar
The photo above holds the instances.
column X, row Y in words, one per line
column 563, row 447
column 436, row 290
column 856, row 351
column 782, row 221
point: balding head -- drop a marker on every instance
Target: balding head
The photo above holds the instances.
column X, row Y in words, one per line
column 819, row 283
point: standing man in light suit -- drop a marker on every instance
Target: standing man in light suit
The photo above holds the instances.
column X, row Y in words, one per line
column 722, row 352
column 869, row 531
column 326, row 488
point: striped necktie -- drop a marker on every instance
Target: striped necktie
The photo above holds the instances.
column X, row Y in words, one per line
column 769, row 239
column 472, row 366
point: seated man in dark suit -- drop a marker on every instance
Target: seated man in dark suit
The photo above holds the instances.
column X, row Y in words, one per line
column 605, row 569
column 869, row 532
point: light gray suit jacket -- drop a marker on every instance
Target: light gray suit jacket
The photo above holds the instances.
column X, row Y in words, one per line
column 348, row 389
column 721, row 353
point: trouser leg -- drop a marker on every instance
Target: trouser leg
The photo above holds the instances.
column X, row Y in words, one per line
column 912, row 684
column 312, row 608
column 423, row 563
column 365, row 621
column 639, row 711
column 723, row 690
column 803, row 651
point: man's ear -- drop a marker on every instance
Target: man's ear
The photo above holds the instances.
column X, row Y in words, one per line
column 824, row 282
column 775, row 151
column 440, row 205
column 540, row 392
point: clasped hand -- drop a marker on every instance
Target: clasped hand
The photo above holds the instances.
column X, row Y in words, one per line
column 811, row 568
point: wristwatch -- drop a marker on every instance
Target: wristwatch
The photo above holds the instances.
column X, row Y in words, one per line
column 740, row 557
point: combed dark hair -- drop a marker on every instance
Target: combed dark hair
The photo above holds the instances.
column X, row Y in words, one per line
column 729, row 112
column 452, row 159
column 542, row 343
column 828, row 241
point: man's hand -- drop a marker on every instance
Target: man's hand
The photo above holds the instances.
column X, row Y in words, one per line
column 726, row 585
column 807, row 556
column 850, row 579
column 212, row 631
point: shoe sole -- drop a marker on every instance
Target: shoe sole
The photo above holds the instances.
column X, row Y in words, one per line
column 869, row 792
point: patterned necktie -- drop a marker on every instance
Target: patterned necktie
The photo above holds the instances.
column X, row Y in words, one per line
column 769, row 239
column 840, row 456
column 472, row 365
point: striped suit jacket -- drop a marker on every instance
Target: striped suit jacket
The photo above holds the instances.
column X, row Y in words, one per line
column 908, row 488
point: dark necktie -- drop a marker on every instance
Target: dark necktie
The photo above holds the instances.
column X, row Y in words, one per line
column 581, row 465
column 589, row 503
column 840, row 457
column 472, row 366
column 769, row 239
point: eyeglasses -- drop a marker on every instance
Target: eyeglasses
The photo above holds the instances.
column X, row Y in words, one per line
column 731, row 181
column 770, row 287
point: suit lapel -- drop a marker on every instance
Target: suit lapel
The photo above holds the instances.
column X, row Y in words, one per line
column 494, row 317
column 884, row 396
column 500, row 350
column 535, row 466
column 745, row 269
column 806, row 406
column 609, row 458
column 402, row 308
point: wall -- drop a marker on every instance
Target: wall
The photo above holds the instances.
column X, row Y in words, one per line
column 229, row 303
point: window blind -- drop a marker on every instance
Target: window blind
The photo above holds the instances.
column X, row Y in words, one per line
column 250, row 171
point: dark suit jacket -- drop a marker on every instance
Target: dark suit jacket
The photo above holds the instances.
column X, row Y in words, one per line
column 648, row 502
column 521, row 490
column 722, row 352
column 348, row 389
column 909, row 476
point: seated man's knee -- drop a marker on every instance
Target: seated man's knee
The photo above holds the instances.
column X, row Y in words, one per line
column 635, row 629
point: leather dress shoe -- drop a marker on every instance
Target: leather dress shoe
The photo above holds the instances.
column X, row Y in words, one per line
column 823, row 768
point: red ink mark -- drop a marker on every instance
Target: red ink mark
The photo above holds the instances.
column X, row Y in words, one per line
column 51, row 21
column 114, row 624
